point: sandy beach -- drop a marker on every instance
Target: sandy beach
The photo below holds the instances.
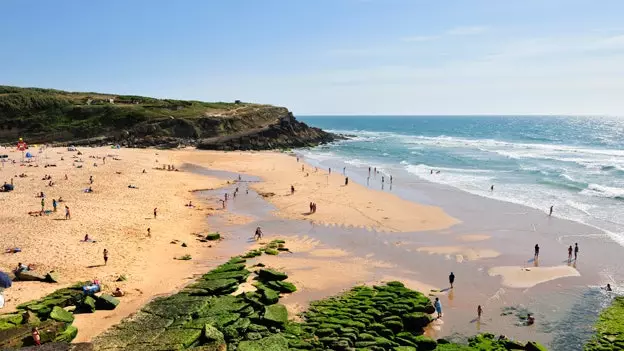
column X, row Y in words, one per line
column 357, row 236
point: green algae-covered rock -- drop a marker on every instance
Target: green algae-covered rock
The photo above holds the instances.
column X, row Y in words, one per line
column 281, row 286
column 416, row 321
column 275, row 315
column 215, row 287
column 404, row 348
column 106, row 302
column 425, row 343
column 239, row 276
column 59, row 314
column 14, row 319
column 252, row 254
column 274, row 343
column 68, row 335
column 88, row 305
column 534, row 346
column 269, row 296
column 271, row 274
column 174, row 336
column 212, row 335
column 213, row 236
column 272, row 252
column 609, row 328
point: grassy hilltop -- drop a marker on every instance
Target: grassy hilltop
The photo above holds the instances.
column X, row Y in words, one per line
column 49, row 115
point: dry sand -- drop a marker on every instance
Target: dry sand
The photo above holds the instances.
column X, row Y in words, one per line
column 114, row 215
column 352, row 205
column 527, row 277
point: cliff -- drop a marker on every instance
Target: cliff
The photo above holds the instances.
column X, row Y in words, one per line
column 54, row 116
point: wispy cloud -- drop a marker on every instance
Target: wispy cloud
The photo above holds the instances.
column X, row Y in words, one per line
column 470, row 30
column 419, row 38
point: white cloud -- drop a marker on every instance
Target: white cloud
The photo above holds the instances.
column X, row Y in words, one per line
column 470, row 30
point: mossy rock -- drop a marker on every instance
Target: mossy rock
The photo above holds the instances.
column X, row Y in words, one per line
column 60, row 315
column 185, row 337
column 88, row 304
column 534, row 346
column 299, row 344
column 67, row 335
column 212, row 335
column 236, row 260
column 275, row 315
column 272, row 252
column 404, row 348
column 252, row 254
column 14, row 319
column 240, row 276
column 106, row 302
column 213, row 236
column 274, row 343
column 271, row 274
column 269, row 296
column 416, row 321
column 282, row 286
column 215, row 287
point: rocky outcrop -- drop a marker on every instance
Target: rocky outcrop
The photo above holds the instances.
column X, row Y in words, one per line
column 63, row 118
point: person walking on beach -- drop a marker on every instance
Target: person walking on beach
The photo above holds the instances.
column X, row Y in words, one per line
column 570, row 253
column 451, row 279
column 551, row 209
column 155, row 212
column 149, row 232
column 536, row 256
column 492, row 188
column 479, row 312
column 54, row 204
column 391, row 180
column 346, row 181
column 329, row 170
column 576, row 251
column 369, row 172
column 90, row 179
column 258, row 234
column 438, row 307
column 42, row 204
column 292, row 190
column 67, row 213
column 105, row 256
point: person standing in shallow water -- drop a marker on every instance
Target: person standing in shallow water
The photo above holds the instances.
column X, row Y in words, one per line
column 536, row 256
column 438, row 307
column 551, row 209
column 479, row 311
column 576, row 251
column 570, row 253
column 451, row 279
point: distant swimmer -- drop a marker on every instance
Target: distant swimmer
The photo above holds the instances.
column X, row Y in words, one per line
column 536, row 251
column 530, row 319
column 608, row 288
column 390, row 179
column 551, row 209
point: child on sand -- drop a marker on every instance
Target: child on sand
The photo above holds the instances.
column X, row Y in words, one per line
column 105, row 256
column 118, row 293
column 155, row 212
column 42, row 204
column 149, row 232
column 67, row 213
column 54, row 204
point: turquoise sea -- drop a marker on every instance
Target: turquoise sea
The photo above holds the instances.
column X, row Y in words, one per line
column 575, row 164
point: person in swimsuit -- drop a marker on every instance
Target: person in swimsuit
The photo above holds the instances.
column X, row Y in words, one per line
column 105, row 256
column 258, row 234
column 451, row 279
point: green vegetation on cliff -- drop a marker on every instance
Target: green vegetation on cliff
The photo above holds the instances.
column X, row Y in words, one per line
column 609, row 328
column 48, row 115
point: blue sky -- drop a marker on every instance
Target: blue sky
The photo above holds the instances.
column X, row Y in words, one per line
column 328, row 56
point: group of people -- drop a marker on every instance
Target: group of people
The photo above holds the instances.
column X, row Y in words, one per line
column 312, row 207
column 571, row 251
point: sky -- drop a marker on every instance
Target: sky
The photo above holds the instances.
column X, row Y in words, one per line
column 355, row 57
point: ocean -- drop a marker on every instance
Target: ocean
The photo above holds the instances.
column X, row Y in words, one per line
column 575, row 164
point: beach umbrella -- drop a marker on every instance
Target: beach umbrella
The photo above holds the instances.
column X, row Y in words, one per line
column 5, row 280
